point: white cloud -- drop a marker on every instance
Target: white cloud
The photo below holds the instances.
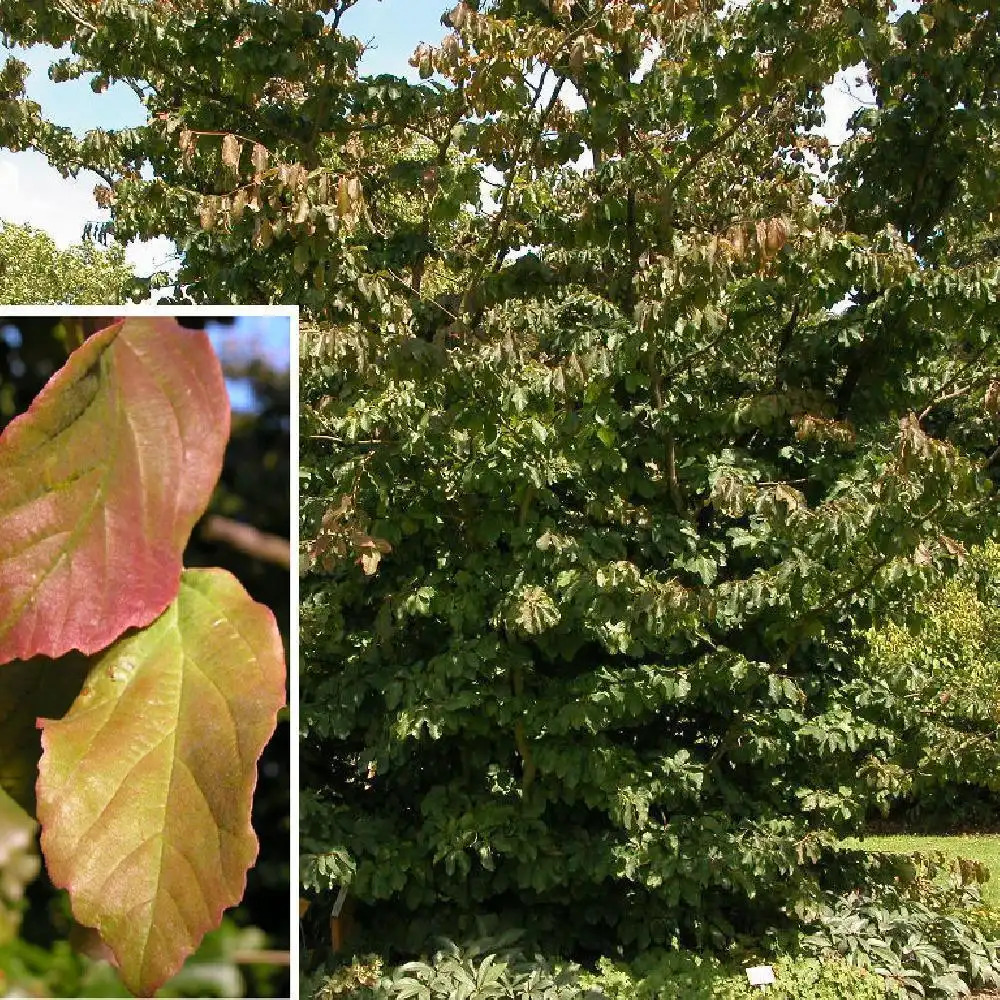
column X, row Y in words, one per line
column 34, row 193
column 147, row 256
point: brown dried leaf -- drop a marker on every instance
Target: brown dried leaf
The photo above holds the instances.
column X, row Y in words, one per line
column 369, row 561
column 207, row 212
column 185, row 143
column 992, row 400
column 231, row 149
column 301, row 210
column 239, row 204
column 776, row 235
column 263, row 234
column 259, row 158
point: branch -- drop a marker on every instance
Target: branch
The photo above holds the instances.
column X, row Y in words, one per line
column 943, row 399
column 74, row 16
column 718, row 141
column 263, row 956
column 501, row 214
column 247, row 539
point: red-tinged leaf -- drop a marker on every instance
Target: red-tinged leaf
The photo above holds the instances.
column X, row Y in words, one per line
column 145, row 786
column 101, row 482
column 32, row 689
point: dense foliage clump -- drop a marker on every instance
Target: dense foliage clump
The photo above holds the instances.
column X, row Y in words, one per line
column 596, row 544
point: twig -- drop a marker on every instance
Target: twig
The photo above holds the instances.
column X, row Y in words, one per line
column 264, row 956
column 247, row 539
column 941, row 399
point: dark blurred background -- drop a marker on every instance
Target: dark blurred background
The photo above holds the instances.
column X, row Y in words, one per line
column 245, row 530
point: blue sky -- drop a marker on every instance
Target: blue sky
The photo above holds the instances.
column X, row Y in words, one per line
column 249, row 337
column 265, row 337
column 393, row 28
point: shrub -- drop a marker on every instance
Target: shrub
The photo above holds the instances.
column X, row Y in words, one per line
column 928, row 937
column 681, row 974
column 483, row 970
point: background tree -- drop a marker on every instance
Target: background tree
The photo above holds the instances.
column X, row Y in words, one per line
column 939, row 680
column 35, row 271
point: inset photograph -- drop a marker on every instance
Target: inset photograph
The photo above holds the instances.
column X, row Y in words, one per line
column 145, row 608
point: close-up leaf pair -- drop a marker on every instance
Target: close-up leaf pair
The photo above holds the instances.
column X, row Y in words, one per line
column 154, row 688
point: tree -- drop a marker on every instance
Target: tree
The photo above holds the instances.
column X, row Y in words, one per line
column 937, row 679
column 36, row 271
column 597, row 519
column 596, row 668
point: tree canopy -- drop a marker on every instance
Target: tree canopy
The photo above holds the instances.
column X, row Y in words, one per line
column 938, row 680
column 36, row 271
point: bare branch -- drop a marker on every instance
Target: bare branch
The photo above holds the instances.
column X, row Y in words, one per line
column 247, row 539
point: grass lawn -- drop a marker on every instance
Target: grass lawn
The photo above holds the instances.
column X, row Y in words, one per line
column 984, row 848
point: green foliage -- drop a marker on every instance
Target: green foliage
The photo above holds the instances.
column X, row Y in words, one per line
column 35, row 270
column 986, row 919
column 18, row 864
column 923, row 63
column 592, row 548
column 924, row 952
column 319, row 872
column 665, row 975
column 62, row 971
column 479, row 973
column 926, row 932
column 939, row 674
column 981, row 850
column 362, row 975
column 488, row 969
column 609, row 463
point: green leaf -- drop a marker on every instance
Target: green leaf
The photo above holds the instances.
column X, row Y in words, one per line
column 36, row 270
column 101, row 482
column 156, row 842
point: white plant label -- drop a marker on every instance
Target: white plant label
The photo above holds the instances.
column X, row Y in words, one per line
column 760, row 975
